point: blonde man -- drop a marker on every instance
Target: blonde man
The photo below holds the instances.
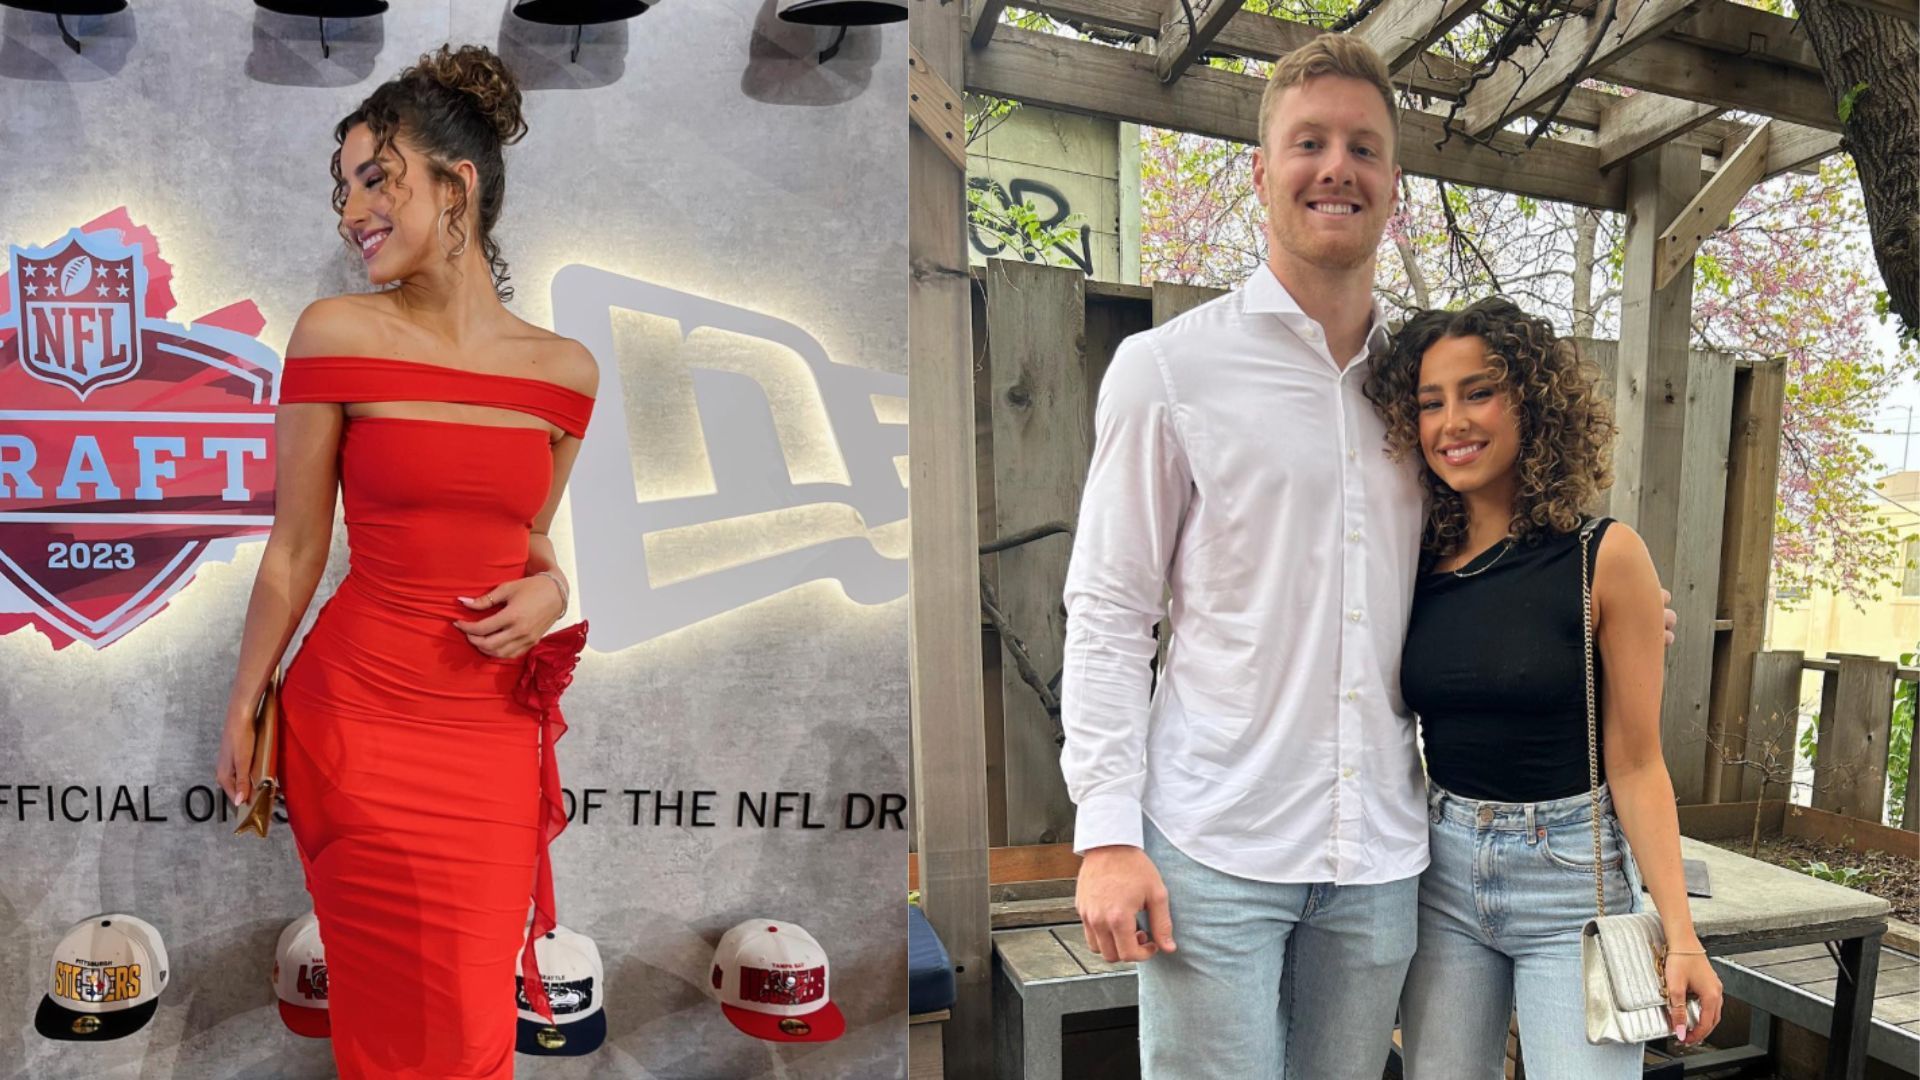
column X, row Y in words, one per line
column 1266, row 810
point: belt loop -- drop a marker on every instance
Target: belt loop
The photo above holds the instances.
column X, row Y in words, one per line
column 1533, row 834
column 1436, row 803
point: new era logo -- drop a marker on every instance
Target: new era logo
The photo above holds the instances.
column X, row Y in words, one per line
column 786, row 466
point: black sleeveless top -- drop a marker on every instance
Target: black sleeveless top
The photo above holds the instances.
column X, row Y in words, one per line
column 1493, row 666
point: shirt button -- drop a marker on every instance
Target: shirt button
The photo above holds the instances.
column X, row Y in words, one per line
column 1353, row 455
column 1354, row 614
column 1353, row 534
column 1346, row 774
column 1353, row 695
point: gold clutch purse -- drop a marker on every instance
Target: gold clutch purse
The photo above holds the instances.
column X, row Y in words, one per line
column 266, row 787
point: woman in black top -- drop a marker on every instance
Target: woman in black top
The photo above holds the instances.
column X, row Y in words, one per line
column 1516, row 441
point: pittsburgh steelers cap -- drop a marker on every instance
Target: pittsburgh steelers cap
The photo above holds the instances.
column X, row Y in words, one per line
column 104, row 981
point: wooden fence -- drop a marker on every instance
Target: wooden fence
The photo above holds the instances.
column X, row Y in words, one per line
column 1043, row 337
column 1854, row 734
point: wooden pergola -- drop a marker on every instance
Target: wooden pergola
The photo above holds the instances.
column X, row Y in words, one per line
column 1664, row 154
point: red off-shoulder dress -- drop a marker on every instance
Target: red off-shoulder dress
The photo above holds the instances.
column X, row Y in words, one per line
column 419, row 774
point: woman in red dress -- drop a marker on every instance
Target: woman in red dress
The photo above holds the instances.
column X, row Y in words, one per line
column 419, row 715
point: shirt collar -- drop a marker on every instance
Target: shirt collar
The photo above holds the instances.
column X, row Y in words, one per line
column 1265, row 295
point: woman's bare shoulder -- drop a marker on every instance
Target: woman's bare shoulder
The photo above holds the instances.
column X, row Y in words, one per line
column 345, row 325
column 560, row 360
column 574, row 367
column 1623, row 565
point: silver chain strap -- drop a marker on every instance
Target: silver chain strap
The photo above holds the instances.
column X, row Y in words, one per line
column 1593, row 726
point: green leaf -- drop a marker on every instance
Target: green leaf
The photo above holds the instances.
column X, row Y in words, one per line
column 1847, row 100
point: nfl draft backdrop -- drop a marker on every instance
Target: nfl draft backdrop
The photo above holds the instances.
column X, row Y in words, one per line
column 719, row 216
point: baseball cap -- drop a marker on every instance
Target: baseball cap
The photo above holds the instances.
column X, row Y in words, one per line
column 576, row 989
column 771, row 978
column 105, row 980
column 300, row 978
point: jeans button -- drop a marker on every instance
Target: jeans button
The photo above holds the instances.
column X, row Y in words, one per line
column 1486, row 815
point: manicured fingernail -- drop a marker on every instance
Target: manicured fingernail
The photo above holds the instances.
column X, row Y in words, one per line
column 464, row 599
column 1680, row 1032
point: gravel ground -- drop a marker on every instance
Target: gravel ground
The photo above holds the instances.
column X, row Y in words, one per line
column 1890, row 877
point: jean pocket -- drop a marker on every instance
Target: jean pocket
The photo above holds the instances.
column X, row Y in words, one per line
column 1570, row 847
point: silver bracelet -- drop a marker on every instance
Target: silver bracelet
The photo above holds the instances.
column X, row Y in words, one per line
column 566, row 595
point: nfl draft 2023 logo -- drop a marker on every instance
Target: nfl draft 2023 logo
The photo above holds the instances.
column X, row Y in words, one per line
column 132, row 449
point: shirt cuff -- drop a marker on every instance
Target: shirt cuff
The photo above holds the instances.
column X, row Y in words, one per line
column 1108, row 818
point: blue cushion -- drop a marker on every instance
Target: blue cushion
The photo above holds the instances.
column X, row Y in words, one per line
column 929, row 970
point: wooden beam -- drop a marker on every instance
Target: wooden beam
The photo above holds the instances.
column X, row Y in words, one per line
column 936, row 109
column 1186, row 29
column 1794, row 146
column 986, row 16
column 1084, row 77
column 1042, row 415
column 1266, row 37
column 1709, row 207
column 1017, row 863
column 1746, row 564
column 1402, row 30
column 1904, row 10
column 1251, row 34
column 1650, row 403
column 1747, row 31
column 949, row 752
column 1637, row 123
column 1678, row 69
column 1574, row 47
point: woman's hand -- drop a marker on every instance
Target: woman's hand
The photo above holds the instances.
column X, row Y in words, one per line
column 233, row 769
column 528, row 609
column 1692, row 975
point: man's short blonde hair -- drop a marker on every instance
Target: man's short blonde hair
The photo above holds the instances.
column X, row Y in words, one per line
column 1330, row 54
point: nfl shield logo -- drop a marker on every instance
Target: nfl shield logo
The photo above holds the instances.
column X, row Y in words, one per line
column 78, row 304
column 133, row 449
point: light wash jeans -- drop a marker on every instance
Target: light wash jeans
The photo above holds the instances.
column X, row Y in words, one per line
column 1272, row 981
column 1501, row 908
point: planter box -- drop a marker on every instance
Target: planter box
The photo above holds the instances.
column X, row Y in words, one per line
column 1731, row 821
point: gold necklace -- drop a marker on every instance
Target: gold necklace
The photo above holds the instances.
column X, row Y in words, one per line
column 1505, row 546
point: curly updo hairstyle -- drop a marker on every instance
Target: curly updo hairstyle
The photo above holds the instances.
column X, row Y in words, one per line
column 453, row 105
column 1566, row 426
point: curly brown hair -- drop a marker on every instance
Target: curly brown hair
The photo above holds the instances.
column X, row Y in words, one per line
column 1566, row 425
column 453, row 105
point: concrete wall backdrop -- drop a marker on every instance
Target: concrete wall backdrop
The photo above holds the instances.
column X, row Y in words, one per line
column 731, row 219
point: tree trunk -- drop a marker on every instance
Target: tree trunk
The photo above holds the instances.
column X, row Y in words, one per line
column 1856, row 46
column 1586, row 223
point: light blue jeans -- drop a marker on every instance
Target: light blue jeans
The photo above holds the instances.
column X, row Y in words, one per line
column 1501, row 909
column 1272, row 981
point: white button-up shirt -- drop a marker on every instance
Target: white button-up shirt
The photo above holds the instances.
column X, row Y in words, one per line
column 1237, row 465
